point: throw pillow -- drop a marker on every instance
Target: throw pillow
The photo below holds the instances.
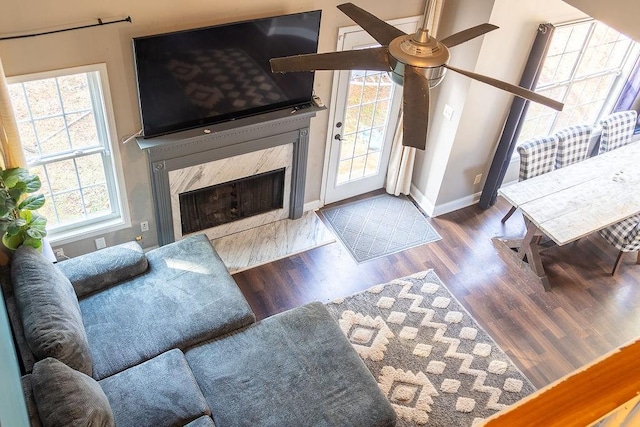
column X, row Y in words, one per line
column 49, row 310
column 65, row 397
column 100, row 269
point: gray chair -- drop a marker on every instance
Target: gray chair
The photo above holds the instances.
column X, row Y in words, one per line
column 573, row 145
column 624, row 236
column 617, row 130
column 537, row 157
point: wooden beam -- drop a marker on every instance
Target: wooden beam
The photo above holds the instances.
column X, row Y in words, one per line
column 582, row 397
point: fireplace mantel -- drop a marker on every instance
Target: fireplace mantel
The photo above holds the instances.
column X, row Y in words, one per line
column 209, row 143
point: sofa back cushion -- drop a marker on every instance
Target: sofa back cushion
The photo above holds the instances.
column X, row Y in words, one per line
column 65, row 397
column 98, row 270
column 49, row 310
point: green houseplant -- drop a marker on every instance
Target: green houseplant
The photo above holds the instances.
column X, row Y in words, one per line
column 19, row 224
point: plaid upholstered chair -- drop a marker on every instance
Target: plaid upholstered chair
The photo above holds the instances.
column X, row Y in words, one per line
column 573, row 145
column 537, row 157
column 617, row 130
column 624, row 236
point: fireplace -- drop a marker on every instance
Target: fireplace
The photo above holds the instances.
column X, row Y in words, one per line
column 230, row 152
column 231, row 201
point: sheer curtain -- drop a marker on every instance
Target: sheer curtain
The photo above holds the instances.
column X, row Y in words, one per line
column 10, row 149
column 400, row 165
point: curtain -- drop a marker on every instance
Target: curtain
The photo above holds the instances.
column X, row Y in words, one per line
column 629, row 98
column 11, row 154
column 517, row 112
column 400, row 165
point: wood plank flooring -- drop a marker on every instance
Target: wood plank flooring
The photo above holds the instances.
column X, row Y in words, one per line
column 586, row 314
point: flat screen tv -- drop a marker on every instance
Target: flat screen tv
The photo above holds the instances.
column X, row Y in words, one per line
column 202, row 76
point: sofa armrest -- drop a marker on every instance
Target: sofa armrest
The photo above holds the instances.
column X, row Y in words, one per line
column 103, row 268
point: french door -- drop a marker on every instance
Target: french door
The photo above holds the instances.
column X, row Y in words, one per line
column 363, row 115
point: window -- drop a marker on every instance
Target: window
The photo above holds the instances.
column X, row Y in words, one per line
column 65, row 126
column 585, row 67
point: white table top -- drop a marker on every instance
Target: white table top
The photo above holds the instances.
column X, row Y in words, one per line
column 570, row 203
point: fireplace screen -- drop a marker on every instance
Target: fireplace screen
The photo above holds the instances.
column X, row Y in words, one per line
column 231, row 201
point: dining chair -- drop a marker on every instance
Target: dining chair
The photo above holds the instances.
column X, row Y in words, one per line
column 617, row 130
column 624, row 236
column 537, row 157
column 573, row 145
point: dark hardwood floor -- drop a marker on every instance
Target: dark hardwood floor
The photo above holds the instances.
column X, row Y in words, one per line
column 586, row 314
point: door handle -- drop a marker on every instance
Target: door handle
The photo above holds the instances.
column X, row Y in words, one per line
column 338, row 137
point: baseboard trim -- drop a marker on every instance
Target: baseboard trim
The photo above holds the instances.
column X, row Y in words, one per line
column 422, row 201
column 437, row 210
column 312, row 205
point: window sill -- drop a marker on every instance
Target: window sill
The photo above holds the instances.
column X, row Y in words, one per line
column 75, row 235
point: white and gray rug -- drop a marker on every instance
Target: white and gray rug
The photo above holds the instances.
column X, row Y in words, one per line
column 431, row 359
column 379, row 226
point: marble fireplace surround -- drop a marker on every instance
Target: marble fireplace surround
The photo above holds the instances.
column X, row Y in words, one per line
column 182, row 150
column 224, row 170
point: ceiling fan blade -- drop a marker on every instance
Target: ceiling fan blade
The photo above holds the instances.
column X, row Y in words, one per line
column 415, row 107
column 516, row 90
column 376, row 58
column 468, row 34
column 382, row 32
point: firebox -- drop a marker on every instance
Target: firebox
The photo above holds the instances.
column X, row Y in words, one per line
column 231, row 201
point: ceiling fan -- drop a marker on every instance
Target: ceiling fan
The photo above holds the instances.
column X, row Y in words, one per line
column 418, row 61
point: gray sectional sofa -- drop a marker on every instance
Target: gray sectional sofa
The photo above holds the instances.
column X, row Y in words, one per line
column 166, row 338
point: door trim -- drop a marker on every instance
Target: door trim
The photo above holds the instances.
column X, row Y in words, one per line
column 342, row 33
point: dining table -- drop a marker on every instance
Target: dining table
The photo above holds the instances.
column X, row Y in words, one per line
column 570, row 203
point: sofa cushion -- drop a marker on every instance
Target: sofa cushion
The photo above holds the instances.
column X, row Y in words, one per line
column 201, row 422
column 185, row 297
column 49, row 310
column 159, row 392
column 106, row 267
column 30, row 402
column 66, row 397
column 296, row 368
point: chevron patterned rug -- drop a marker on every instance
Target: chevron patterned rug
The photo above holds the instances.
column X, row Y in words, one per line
column 435, row 364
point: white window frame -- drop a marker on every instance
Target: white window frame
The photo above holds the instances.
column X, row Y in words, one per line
column 119, row 217
column 620, row 79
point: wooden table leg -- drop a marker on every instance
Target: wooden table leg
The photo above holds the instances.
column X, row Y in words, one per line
column 529, row 248
column 535, row 263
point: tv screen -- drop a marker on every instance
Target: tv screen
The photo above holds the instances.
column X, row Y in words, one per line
column 202, row 76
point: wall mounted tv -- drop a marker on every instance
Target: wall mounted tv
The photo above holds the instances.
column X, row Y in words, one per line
column 203, row 76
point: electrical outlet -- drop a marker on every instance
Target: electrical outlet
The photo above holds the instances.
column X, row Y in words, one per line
column 59, row 253
column 448, row 112
column 101, row 243
column 144, row 226
column 478, row 178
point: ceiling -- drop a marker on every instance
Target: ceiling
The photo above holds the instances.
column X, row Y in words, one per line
column 622, row 15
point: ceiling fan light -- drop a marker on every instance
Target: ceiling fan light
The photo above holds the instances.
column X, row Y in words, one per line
column 434, row 75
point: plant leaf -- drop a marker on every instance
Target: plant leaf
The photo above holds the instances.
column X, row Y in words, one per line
column 15, row 226
column 33, row 184
column 33, row 242
column 14, row 176
column 32, row 202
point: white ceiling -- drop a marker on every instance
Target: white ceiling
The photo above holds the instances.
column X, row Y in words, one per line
column 623, row 15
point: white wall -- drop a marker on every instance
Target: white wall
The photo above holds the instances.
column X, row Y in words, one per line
column 461, row 149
